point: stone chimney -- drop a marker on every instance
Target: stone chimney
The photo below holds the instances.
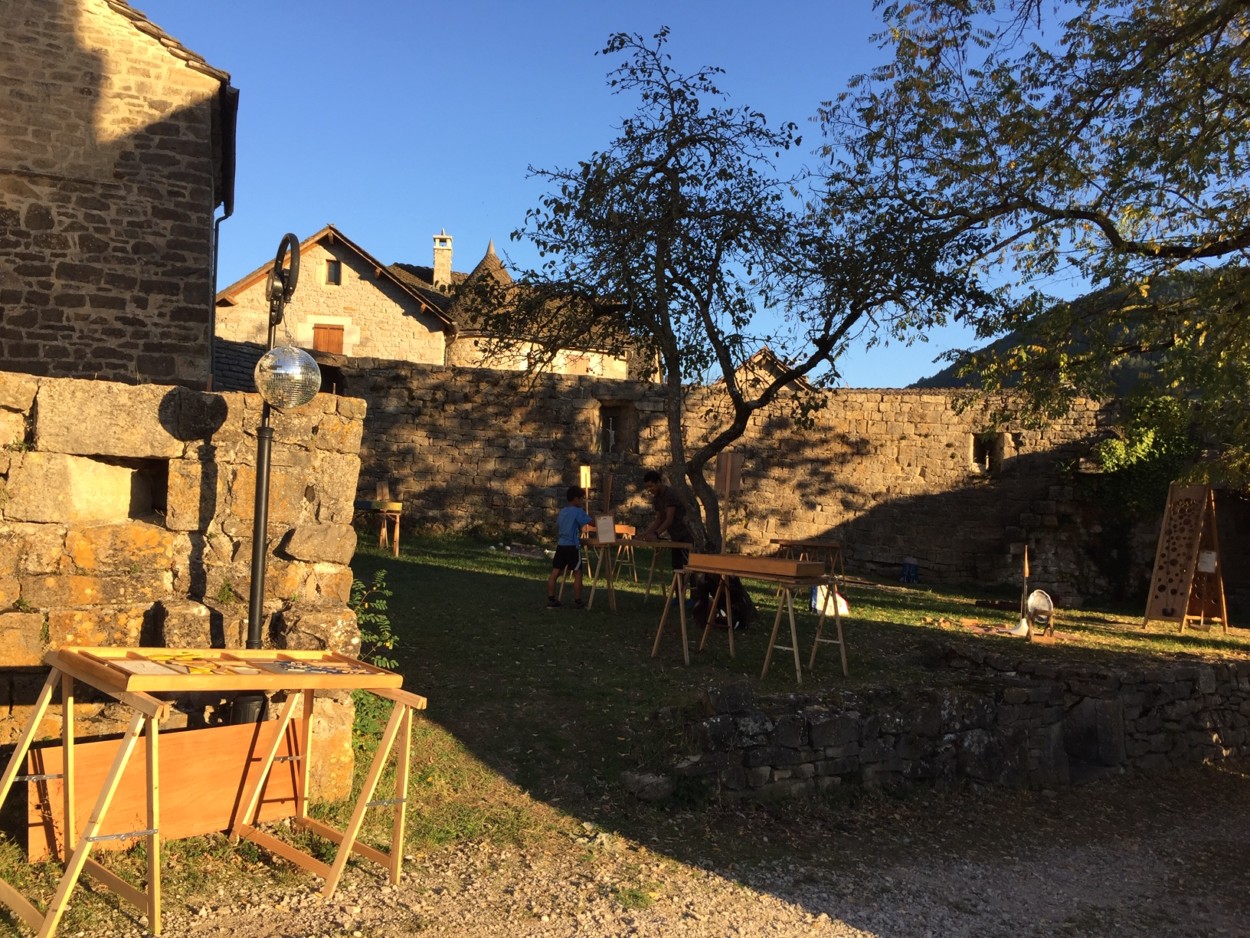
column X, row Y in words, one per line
column 442, row 261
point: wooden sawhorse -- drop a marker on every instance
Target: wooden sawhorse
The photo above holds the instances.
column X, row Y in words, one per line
column 106, row 669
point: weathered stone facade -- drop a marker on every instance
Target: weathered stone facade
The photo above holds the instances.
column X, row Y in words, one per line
column 126, row 518
column 378, row 317
column 892, row 474
column 1006, row 721
column 116, row 145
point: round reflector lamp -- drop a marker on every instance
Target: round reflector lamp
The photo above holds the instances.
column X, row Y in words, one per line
column 287, row 377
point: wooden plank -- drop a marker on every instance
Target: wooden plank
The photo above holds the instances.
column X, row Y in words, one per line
column 282, row 849
column 201, row 791
column 767, row 567
column 105, row 668
column 128, row 891
column 20, row 906
column 336, row 837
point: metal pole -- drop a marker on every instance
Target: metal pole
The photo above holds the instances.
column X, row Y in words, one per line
column 250, row 708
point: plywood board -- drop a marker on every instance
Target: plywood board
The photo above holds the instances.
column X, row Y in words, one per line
column 1176, row 557
column 202, row 776
column 738, row 565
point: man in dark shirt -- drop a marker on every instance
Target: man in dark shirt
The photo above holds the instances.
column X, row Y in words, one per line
column 670, row 517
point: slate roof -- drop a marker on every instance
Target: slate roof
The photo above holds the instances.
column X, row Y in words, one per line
column 176, row 48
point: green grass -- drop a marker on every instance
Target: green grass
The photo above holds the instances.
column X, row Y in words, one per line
column 534, row 713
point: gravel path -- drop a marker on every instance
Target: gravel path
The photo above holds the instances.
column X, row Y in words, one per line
column 1124, row 858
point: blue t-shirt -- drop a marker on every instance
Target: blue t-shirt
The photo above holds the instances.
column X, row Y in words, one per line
column 570, row 522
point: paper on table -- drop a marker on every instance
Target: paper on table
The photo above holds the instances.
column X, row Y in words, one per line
column 605, row 529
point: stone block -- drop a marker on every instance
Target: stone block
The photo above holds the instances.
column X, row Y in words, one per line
column 10, row 591
column 330, row 776
column 185, row 623
column 17, row 391
column 31, row 548
column 190, row 494
column 21, row 639
column 101, row 418
column 313, row 628
column 12, row 428
column 333, row 543
column 131, row 548
column 100, row 625
column 54, row 487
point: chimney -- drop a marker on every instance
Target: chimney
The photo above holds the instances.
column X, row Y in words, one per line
column 442, row 261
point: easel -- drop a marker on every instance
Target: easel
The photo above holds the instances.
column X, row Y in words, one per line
column 131, row 675
column 1187, row 585
column 595, row 547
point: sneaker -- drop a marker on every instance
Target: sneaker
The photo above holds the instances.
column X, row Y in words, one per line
column 553, row 603
column 579, row 604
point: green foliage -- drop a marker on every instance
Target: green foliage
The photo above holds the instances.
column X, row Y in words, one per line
column 226, row 594
column 1153, row 449
column 369, row 602
column 1087, row 143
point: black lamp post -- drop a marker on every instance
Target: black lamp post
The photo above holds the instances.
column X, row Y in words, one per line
column 286, row 377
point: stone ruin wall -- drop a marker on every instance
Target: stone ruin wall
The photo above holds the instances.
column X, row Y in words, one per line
column 126, row 519
column 106, row 198
column 889, row 473
column 1001, row 720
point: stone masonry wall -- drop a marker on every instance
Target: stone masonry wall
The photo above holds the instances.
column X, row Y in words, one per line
column 889, row 473
column 126, row 519
column 1025, row 724
column 107, row 176
column 370, row 309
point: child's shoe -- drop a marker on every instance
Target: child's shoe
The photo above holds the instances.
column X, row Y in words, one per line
column 553, row 603
column 579, row 604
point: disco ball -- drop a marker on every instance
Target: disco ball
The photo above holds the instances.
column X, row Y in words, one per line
column 287, row 377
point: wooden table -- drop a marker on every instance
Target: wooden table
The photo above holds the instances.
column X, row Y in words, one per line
column 830, row 552
column 784, row 574
column 132, row 676
column 657, row 546
column 388, row 514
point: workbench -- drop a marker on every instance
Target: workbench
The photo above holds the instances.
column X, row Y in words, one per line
column 785, row 575
column 132, row 676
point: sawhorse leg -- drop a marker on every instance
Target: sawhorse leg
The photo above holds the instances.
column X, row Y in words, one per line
column 837, row 624
column 785, row 599
column 722, row 589
column 677, row 590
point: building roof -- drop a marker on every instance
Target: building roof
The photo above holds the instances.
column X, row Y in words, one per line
column 176, row 48
column 431, row 300
column 225, row 122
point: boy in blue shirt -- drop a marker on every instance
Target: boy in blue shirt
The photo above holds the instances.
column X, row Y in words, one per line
column 569, row 522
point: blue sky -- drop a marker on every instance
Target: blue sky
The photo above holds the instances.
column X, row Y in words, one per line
column 395, row 119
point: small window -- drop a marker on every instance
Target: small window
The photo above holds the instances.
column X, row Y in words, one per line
column 987, row 451
column 331, row 380
column 618, row 428
column 328, row 339
column 334, row 272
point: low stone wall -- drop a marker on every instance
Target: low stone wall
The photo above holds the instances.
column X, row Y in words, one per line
column 994, row 720
column 126, row 518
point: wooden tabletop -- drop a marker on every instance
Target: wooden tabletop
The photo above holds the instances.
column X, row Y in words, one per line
column 774, row 569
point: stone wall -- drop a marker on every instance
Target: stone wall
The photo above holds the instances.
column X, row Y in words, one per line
column 892, row 474
column 1027, row 724
column 126, row 518
column 110, row 169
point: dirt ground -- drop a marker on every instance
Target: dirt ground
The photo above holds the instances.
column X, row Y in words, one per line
column 1122, row 857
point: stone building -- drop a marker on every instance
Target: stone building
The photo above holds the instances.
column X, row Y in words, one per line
column 350, row 304
column 112, row 166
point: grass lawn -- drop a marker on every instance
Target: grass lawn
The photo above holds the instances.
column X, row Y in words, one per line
column 530, row 706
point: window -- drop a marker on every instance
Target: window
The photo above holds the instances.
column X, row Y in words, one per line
column 987, row 451
column 334, row 272
column 618, row 428
column 328, row 339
